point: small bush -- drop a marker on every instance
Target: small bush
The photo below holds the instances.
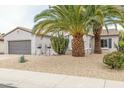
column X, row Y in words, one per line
column 115, row 60
column 22, row 59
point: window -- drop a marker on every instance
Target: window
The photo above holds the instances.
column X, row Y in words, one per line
column 106, row 43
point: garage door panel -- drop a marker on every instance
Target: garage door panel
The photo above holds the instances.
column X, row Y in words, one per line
column 20, row 47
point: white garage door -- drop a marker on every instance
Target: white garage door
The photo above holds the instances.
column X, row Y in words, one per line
column 19, row 47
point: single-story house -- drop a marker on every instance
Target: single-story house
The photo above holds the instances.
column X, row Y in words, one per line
column 21, row 41
column 1, row 44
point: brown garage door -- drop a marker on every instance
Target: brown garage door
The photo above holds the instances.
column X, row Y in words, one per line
column 19, row 47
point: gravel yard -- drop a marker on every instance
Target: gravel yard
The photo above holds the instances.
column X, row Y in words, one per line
column 89, row 66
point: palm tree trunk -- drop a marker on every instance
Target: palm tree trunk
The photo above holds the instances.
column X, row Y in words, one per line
column 78, row 46
column 97, row 45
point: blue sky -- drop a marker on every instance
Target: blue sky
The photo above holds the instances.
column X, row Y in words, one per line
column 13, row 16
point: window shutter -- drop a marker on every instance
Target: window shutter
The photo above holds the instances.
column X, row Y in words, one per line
column 110, row 43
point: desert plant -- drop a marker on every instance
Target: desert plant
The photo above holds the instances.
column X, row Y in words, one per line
column 120, row 45
column 22, row 59
column 59, row 43
column 115, row 60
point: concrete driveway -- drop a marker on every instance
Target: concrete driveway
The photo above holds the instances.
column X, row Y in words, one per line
column 28, row 79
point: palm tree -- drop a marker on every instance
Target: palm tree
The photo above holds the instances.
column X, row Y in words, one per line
column 67, row 18
column 100, row 16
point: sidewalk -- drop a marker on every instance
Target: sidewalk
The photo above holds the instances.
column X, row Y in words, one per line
column 28, row 79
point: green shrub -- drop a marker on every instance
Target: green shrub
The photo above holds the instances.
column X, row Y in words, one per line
column 59, row 43
column 120, row 46
column 121, row 43
column 114, row 60
column 22, row 59
column 121, row 35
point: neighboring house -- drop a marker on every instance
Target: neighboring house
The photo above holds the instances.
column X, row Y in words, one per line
column 21, row 41
column 108, row 41
column 1, row 44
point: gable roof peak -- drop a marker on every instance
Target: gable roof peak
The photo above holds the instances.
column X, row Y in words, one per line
column 21, row 28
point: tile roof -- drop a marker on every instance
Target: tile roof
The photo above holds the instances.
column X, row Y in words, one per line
column 104, row 32
column 1, row 37
column 111, row 32
column 24, row 29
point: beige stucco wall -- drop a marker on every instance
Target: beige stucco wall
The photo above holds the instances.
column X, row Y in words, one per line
column 114, row 41
column 23, row 35
column 19, row 35
column 1, row 47
column 42, row 41
column 89, row 43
